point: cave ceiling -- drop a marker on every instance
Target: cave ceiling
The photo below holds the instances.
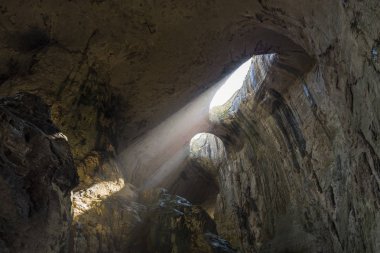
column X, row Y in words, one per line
column 149, row 57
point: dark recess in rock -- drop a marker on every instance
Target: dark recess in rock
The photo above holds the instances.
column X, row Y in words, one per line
column 32, row 39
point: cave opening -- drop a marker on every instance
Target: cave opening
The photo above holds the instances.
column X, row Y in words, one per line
column 231, row 86
column 206, row 151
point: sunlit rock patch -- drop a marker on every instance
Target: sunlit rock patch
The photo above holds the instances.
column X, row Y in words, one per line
column 86, row 199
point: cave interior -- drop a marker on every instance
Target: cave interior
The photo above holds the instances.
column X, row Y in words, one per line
column 176, row 126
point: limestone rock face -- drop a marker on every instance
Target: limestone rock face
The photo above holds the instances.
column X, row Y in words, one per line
column 105, row 216
column 206, row 151
column 157, row 222
column 173, row 224
column 300, row 176
column 104, row 207
column 37, row 174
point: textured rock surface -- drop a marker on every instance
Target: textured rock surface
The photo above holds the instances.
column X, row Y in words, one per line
column 37, row 174
column 105, row 215
column 206, row 151
column 299, row 177
column 162, row 223
column 173, row 224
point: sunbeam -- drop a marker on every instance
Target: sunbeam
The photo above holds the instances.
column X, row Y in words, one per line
column 153, row 158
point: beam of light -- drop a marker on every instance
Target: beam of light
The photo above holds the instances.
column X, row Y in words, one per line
column 157, row 155
column 231, row 86
column 142, row 159
column 167, row 170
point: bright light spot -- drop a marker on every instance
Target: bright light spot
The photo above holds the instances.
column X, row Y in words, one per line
column 233, row 84
column 86, row 199
column 59, row 136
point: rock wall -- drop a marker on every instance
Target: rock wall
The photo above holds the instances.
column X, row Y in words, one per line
column 302, row 172
column 105, row 215
column 173, row 224
column 154, row 222
column 37, row 174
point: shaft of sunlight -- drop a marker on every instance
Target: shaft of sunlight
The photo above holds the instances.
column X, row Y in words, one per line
column 155, row 157
column 151, row 153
